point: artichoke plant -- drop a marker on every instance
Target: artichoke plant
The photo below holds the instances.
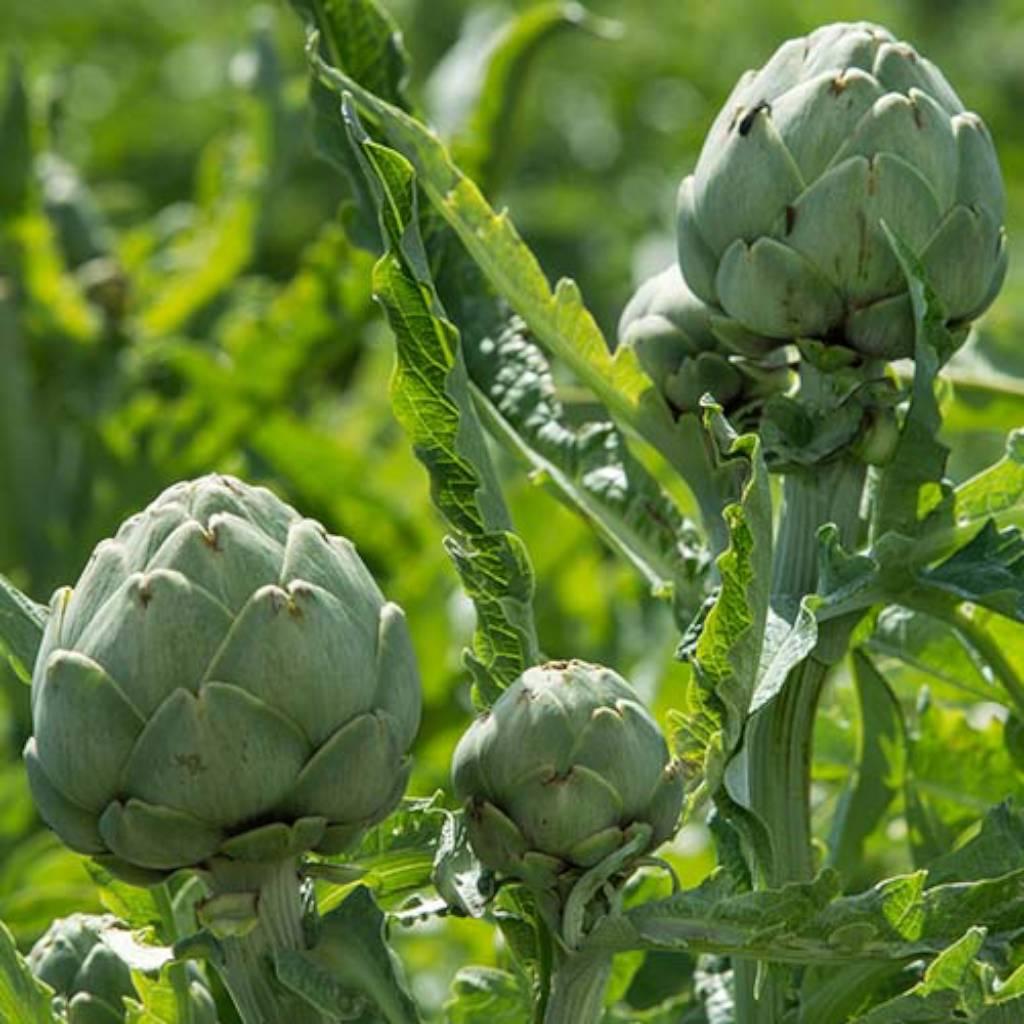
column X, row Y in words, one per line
column 90, row 981
column 689, row 349
column 563, row 771
column 225, row 680
column 781, row 223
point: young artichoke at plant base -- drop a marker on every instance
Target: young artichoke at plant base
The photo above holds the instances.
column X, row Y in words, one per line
column 690, row 349
column 780, row 225
column 90, row 981
column 565, row 770
column 568, row 784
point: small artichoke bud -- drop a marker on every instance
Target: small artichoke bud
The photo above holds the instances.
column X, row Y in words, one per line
column 225, row 680
column 689, row 349
column 90, row 981
column 781, row 223
column 561, row 771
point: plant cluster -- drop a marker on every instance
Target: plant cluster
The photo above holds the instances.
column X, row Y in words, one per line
column 223, row 709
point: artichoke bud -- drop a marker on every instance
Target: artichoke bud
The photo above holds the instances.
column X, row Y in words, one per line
column 90, row 981
column 781, row 223
column 225, row 680
column 690, row 349
column 563, row 771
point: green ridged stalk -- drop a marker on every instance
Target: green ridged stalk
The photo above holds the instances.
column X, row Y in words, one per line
column 248, row 967
column 779, row 738
column 578, row 983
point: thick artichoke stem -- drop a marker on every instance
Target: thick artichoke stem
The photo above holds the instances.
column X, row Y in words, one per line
column 780, row 736
column 248, row 968
column 577, row 988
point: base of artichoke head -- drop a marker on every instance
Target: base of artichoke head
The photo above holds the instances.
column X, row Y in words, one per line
column 247, row 969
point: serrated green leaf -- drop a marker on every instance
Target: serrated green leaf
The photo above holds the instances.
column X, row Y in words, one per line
column 589, row 467
column 939, row 995
column 558, row 319
column 360, row 38
column 724, row 645
column 430, row 393
column 898, row 920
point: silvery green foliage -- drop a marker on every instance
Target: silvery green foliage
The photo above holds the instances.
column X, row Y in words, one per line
column 780, row 224
column 225, row 678
column 560, row 771
column 689, row 349
column 90, row 981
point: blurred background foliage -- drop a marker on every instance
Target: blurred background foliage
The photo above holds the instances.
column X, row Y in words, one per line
column 178, row 295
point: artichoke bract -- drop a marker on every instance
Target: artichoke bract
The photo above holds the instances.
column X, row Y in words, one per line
column 780, row 224
column 689, row 349
column 90, row 981
column 564, row 767
column 225, row 679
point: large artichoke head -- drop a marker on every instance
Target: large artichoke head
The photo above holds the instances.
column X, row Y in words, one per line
column 690, row 349
column 781, row 223
column 225, row 679
column 90, row 981
column 565, row 768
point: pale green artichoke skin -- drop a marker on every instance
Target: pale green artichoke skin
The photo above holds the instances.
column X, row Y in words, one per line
column 561, row 767
column 780, row 224
column 690, row 349
column 224, row 679
column 90, row 981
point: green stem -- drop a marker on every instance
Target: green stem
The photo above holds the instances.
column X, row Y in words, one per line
column 248, row 968
column 779, row 737
column 546, row 944
column 178, row 972
column 577, row 987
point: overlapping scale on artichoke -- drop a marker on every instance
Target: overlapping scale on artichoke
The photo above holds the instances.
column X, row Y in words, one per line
column 224, row 679
column 690, row 349
column 780, row 224
column 560, row 770
column 90, row 981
